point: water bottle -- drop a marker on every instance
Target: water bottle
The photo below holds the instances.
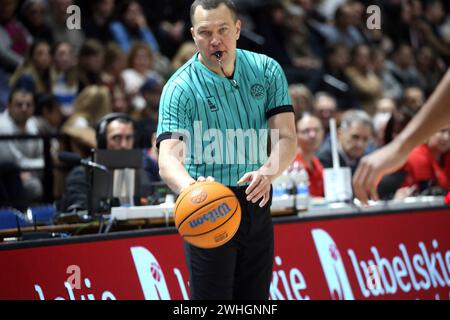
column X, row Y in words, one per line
column 282, row 185
column 302, row 187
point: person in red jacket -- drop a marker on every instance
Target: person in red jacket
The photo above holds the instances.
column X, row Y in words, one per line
column 428, row 165
column 309, row 137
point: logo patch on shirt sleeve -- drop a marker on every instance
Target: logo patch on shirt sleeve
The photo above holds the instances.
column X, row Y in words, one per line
column 257, row 91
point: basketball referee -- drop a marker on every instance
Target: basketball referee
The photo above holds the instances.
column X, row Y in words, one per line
column 220, row 94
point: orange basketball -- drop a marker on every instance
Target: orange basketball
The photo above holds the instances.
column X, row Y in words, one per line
column 207, row 214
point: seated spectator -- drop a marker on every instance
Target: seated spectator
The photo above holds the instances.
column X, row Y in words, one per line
column 401, row 72
column 334, row 80
column 302, row 99
column 35, row 71
column 429, row 29
column 147, row 117
column 90, row 63
column 64, row 77
column 93, row 103
column 343, row 31
column 115, row 64
column 183, row 54
column 120, row 101
column 96, row 24
column 428, row 165
column 170, row 21
column 410, row 103
column 33, row 14
column 309, row 138
column 14, row 37
column 57, row 20
column 354, row 134
column 367, row 85
column 18, row 119
column 133, row 27
column 48, row 114
column 304, row 65
column 413, row 98
column 380, row 121
column 140, row 68
column 385, row 105
column 325, row 108
column 430, row 69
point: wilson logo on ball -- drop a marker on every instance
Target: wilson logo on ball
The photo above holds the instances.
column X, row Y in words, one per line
column 222, row 210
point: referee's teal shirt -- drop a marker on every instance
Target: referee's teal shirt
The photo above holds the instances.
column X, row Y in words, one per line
column 224, row 121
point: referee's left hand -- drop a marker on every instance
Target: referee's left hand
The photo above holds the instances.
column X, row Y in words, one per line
column 259, row 187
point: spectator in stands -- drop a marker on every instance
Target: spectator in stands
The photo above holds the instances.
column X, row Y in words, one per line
column 64, row 76
column 33, row 15
column 380, row 120
column 90, row 63
column 18, row 119
column 343, row 31
column 385, row 105
column 133, row 27
column 325, row 108
column 170, row 21
column 183, row 54
column 35, row 71
column 428, row 165
column 413, row 98
column 115, row 64
column 57, row 21
column 354, row 134
column 147, row 117
column 14, row 37
column 401, row 22
column 96, row 24
column 430, row 69
column 140, row 68
column 270, row 24
column 367, row 85
column 430, row 31
column 120, row 101
column 407, row 107
column 302, row 99
column 304, row 64
column 334, row 80
column 402, row 71
column 93, row 103
column 48, row 114
column 309, row 138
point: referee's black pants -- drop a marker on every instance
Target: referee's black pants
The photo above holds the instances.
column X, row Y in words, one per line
column 241, row 268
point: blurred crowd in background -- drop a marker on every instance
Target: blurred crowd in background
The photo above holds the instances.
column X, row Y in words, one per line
column 372, row 80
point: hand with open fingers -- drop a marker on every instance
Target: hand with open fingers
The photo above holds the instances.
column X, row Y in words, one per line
column 259, row 187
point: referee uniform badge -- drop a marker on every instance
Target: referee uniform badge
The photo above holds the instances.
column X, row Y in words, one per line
column 212, row 103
